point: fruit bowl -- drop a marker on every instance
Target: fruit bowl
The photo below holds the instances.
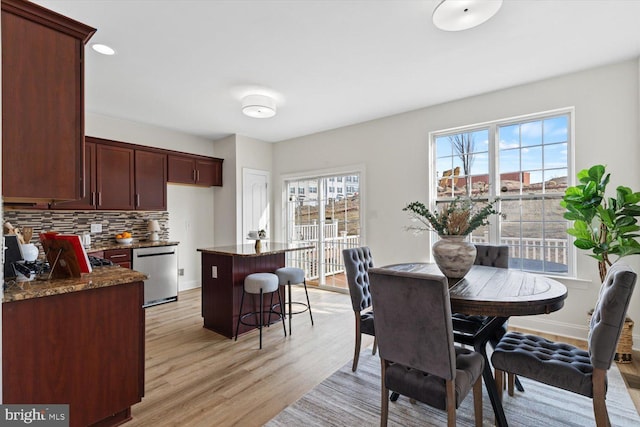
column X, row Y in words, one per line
column 125, row 241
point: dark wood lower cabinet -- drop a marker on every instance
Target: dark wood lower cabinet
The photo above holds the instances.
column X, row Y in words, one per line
column 84, row 348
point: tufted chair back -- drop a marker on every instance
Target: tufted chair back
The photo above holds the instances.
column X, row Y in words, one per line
column 609, row 314
column 413, row 321
column 357, row 262
column 492, row 255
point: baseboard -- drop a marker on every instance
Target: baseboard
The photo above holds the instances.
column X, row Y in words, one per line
column 186, row 285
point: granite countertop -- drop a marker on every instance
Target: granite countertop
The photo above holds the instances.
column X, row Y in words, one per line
column 105, row 246
column 267, row 248
column 98, row 278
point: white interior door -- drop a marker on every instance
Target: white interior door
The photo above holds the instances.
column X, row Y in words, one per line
column 255, row 201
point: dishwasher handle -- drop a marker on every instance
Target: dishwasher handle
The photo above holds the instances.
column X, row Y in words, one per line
column 154, row 254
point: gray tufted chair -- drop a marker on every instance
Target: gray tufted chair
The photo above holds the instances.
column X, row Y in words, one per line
column 357, row 262
column 565, row 366
column 417, row 352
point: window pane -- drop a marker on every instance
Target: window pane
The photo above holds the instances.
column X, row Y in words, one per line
column 509, row 160
column 555, row 156
column 509, row 136
column 443, row 147
column 556, row 129
column 532, row 158
column 555, row 180
column 531, row 134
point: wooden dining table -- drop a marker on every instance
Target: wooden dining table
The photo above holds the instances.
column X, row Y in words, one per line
column 497, row 293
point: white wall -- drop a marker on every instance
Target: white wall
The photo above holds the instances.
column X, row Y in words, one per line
column 607, row 128
column 238, row 152
column 191, row 209
column 225, row 197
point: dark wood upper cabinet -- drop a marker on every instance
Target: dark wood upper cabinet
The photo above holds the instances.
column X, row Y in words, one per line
column 42, row 103
column 114, row 178
column 195, row 170
column 89, row 200
column 150, row 180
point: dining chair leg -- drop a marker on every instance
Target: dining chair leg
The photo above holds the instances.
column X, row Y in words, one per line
column 510, row 381
column 384, row 413
column 375, row 346
column 451, row 403
column 499, row 376
column 477, row 401
column 598, row 380
column 356, row 354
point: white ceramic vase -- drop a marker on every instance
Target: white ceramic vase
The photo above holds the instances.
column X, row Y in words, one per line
column 454, row 255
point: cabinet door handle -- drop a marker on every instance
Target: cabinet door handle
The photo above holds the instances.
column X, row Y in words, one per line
column 194, row 176
column 137, row 200
column 117, row 256
column 92, row 198
column 197, row 175
column 99, row 198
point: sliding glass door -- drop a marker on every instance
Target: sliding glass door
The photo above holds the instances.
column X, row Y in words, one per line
column 323, row 211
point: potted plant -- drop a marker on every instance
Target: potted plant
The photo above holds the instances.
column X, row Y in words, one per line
column 604, row 226
column 453, row 222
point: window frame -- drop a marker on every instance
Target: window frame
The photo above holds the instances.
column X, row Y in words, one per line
column 494, row 172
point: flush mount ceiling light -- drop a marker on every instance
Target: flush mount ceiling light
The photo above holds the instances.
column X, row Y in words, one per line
column 259, row 106
column 103, row 49
column 458, row 15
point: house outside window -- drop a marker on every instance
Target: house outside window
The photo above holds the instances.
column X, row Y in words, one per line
column 525, row 162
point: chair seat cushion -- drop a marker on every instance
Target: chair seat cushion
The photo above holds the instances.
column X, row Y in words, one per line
column 290, row 275
column 558, row 364
column 431, row 389
column 254, row 282
column 366, row 323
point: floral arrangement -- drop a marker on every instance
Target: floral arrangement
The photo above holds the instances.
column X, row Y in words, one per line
column 459, row 218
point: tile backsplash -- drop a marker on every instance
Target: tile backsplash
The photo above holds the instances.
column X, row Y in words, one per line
column 79, row 222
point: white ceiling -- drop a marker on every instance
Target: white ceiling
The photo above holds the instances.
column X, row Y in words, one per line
column 185, row 64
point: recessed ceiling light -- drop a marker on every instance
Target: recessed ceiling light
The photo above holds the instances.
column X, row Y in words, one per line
column 458, row 15
column 103, row 49
column 258, row 106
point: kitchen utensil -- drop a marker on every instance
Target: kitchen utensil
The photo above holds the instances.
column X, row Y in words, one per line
column 27, row 234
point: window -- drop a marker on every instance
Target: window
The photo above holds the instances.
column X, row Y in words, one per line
column 313, row 190
column 300, row 190
column 292, row 190
column 528, row 158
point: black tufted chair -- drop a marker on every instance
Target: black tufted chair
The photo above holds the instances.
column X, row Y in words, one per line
column 417, row 352
column 565, row 366
column 357, row 262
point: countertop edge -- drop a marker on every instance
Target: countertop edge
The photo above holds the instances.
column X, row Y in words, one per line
column 100, row 277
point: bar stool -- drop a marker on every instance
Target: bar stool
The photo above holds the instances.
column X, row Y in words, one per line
column 287, row 276
column 260, row 284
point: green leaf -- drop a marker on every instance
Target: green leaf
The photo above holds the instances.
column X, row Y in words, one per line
column 596, row 172
column 584, row 244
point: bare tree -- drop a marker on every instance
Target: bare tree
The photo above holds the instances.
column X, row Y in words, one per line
column 464, row 146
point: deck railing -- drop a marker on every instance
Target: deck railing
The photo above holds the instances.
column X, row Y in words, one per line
column 550, row 250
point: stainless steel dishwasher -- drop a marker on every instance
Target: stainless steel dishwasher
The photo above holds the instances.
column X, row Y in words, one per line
column 160, row 264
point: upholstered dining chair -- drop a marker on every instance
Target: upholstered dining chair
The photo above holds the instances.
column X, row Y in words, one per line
column 357, row 262
column 415, row 340
column 565, row 366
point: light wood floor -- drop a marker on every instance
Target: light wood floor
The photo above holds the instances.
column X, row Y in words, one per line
column 198, row 378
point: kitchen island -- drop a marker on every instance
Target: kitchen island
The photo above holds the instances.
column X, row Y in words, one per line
column 223, row 271
column 76, row 341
